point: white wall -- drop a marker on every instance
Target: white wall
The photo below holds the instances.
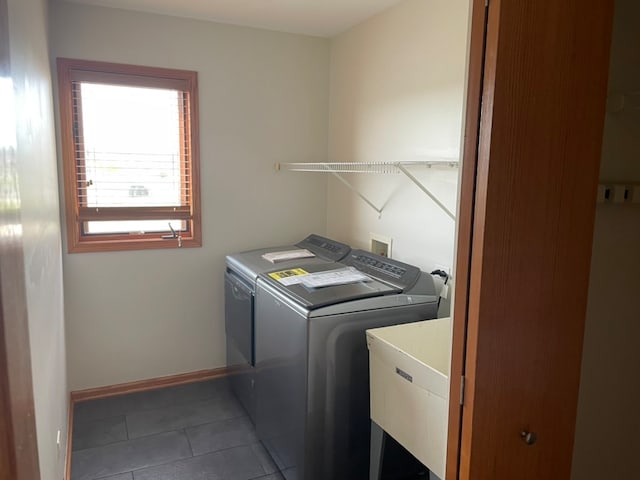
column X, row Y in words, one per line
column 263, row 99
column 608, row 422
column 397, row 88
column 37, row 178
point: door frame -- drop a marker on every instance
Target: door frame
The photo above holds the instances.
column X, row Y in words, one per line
column 529, row 179
column 18, row 442
column 465, row 219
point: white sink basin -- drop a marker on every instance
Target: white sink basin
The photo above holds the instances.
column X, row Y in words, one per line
column 409, row 376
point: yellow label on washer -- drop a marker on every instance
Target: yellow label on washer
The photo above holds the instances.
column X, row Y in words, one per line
column 293, row 272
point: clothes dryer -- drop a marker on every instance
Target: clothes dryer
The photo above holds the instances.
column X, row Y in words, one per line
column 242, row 270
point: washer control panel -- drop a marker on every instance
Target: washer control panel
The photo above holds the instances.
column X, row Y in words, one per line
column 325, row 247
column 397, row 273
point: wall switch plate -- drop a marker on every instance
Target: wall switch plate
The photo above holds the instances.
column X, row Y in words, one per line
column 380, row 244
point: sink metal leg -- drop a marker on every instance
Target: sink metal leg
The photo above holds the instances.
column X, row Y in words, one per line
column 376, row 455
column 376, row 452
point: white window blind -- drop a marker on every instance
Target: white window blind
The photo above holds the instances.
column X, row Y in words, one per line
column 132, row 160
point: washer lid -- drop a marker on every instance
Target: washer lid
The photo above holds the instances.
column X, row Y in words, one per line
column 289, row 282
column 251, row 263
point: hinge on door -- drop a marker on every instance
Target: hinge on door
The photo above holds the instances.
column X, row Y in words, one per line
column 462, row 384
column 486, row 3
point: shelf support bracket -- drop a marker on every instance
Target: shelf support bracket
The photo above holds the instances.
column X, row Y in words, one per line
column 403, row 169
column 355, row 190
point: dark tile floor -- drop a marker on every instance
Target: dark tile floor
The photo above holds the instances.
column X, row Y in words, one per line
column 196, row 431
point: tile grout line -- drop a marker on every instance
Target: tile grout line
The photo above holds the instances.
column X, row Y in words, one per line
column 126, row 427
column 197, row 402
column 224, row 449
column 188, row 441
column 129, row 440
column 179, row 428
column 154, row 434
column 209, row 402
column 207, row 397
column 133, row 472
column 114, row 475
column 103, row 444
column 221, row 420
column 277, row 471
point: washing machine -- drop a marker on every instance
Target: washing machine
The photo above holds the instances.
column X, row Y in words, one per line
column 242, row 270
column 312, row 380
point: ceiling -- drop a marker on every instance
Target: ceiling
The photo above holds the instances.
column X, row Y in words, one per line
column 324, row 18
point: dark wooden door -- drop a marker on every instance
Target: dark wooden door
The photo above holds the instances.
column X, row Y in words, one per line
column 530, row 188
column 18, row 446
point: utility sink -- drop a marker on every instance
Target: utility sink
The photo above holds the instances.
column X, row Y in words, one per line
column 409, row 378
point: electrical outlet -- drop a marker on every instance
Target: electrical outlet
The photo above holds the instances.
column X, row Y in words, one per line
column 444, row 268
column 58, row 439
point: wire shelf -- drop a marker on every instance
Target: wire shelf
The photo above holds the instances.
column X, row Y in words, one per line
column 338, row 168
column 363, row 167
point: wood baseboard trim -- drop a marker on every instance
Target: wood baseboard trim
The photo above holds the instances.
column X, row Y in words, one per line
column 149, row 384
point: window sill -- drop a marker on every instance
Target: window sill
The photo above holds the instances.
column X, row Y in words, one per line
column 115, row 245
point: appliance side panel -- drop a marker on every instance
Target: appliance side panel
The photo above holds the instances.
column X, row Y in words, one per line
column 238, row 312
column 281, row 364
column 338, row 404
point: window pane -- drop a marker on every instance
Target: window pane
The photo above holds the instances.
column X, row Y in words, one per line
column 131, row 146
column 133, row 226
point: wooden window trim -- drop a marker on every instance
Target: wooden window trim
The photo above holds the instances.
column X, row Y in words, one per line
column 70, row 70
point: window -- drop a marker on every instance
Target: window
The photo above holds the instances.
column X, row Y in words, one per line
column 130, row 156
